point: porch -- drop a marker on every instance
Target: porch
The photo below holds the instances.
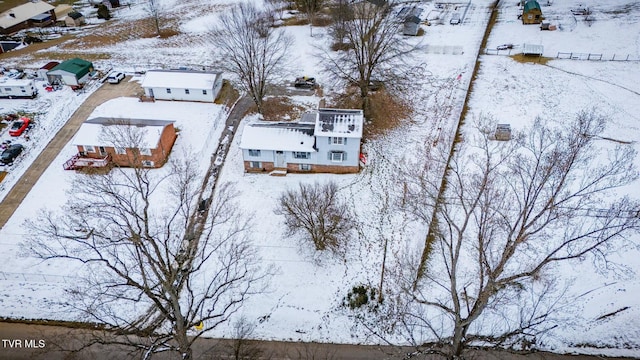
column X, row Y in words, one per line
column 78, row 162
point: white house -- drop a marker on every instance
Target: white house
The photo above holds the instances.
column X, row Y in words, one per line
column 14, row 88
column 184, row 85
column 326, row 141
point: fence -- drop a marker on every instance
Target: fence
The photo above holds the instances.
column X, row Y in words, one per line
column 36, row 278
column 571, row 55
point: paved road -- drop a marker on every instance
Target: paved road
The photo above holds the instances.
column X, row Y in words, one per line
column 17, row 194
column 48, row 342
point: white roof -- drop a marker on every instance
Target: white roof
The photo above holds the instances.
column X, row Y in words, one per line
column 259, row 137
column 339, row 123
column 532, row 49
column 22, row 13
column 95, row 132
column 178, row 79
column 16, row 82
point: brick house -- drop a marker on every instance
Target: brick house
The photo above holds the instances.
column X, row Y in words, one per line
column 325, row 141
column 122, row 142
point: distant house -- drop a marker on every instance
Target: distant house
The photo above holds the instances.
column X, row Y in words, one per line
column 34, row 13
column 122, row 142
column 411, row 20
column 72, row 72
column 74, row 18
column 184, row 85
column 62, row 10
column 531, row 12
column 41, row 74
column 326, row 141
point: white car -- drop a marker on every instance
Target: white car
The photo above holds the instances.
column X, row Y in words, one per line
column 115, row 77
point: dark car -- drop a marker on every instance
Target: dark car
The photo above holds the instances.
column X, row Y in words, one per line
column 11, row 153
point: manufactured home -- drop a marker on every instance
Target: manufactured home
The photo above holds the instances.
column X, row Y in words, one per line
column 182, row 85
column 18, row 89
column 33, row 13
column 325, row 141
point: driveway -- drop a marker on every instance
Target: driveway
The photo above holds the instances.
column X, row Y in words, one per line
column 106, row 92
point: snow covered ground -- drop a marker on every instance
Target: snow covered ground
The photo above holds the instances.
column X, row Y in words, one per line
column 304, row 299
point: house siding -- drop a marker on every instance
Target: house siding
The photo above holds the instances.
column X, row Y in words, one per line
column 179, row 94
column 351, row 148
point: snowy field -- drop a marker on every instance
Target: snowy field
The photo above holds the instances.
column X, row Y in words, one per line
column 304, row 299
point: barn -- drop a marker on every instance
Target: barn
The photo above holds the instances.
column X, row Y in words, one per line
column 71, row 72
column 531, row 13
column 183, row 85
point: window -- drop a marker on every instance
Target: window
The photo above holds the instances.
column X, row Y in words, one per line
column 254, row 152
column 168, row 91
column 337, row 156
column 204, row 92
column 148, row 163
column 7, row 89
column 305, row 167
column 145, row 151
column 186, row 91
column 121, row 150
column 89, row 148
column 337, row 140
column 301, row 155
column 255, row 164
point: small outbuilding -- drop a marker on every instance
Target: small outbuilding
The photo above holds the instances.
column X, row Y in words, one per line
column 17, row 89
column 41, row 74
column 411, row 20
column 532, row 13
column 183, row 85
column 72, row 72
column 121, row 142
column 74, row 18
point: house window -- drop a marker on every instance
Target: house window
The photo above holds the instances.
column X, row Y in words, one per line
column 337, row 156
column 186, row 91
column 148, row 163
column 301, row 155
column 204, row 92
column 121, row 151
column 254, row 152
column 145, row 151
column 7, row 89
column 305, row 167
column 168, row 91
column 255, row 164
column 89, row 148
column 337, row 140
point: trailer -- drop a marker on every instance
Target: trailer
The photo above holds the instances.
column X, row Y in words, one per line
column 17, row 89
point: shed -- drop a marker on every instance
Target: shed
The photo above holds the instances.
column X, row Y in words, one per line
column 74, row 18
column 24, row 16
column 122, row 142
column 72, row 72
column 41, row 74
column 532, row 49
column 17, row 89
column 183, row 85
column 62, row 10
column 531, row 13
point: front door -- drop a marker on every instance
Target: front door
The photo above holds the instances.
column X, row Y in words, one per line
column 279, row 159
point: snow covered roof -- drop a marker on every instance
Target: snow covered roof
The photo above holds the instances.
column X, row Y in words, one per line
column 532, row 49
column 23, row 13
column 101, row 131
column 180, row 79
column 16, row 82
column 339, row 122
column 278, row 136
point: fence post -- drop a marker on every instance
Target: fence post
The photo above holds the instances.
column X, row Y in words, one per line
column 627, row 57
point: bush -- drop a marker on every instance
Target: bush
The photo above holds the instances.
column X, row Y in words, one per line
column 359, row 296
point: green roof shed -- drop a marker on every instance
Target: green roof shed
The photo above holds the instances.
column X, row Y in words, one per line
column 72, row 72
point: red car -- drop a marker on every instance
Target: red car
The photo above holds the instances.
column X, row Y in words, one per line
column 19, row 126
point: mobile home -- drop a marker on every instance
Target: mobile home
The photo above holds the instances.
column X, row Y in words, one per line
column 17, row 89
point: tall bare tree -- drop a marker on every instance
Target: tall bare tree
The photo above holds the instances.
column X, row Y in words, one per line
column 251, row 48
column 510, row 211
column 311, row 8
column 155, row 9
column 373, row 47
column 158, row 264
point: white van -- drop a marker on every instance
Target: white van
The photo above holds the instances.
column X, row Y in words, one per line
column 455, row 19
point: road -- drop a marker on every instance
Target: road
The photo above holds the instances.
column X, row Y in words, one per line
column 20, row 190
column 56, row 342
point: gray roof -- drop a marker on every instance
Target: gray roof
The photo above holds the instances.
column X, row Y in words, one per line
column 125, row 121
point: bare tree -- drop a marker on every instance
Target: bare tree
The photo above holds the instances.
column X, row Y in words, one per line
column 155, row 10
column 316, row 211
column 251, row 48
column 374, row 49
column 311, row 8
column 156, row 266
column 510, row 211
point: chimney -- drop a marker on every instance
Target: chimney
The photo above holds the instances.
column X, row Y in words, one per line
column 12, row 15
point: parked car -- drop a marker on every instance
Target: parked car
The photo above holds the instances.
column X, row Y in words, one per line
column 455, row 19
column 14, row 74
column 19, row 126
column 505, row 47
column 305, row 82
column 10, row 154
column 115, row 77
